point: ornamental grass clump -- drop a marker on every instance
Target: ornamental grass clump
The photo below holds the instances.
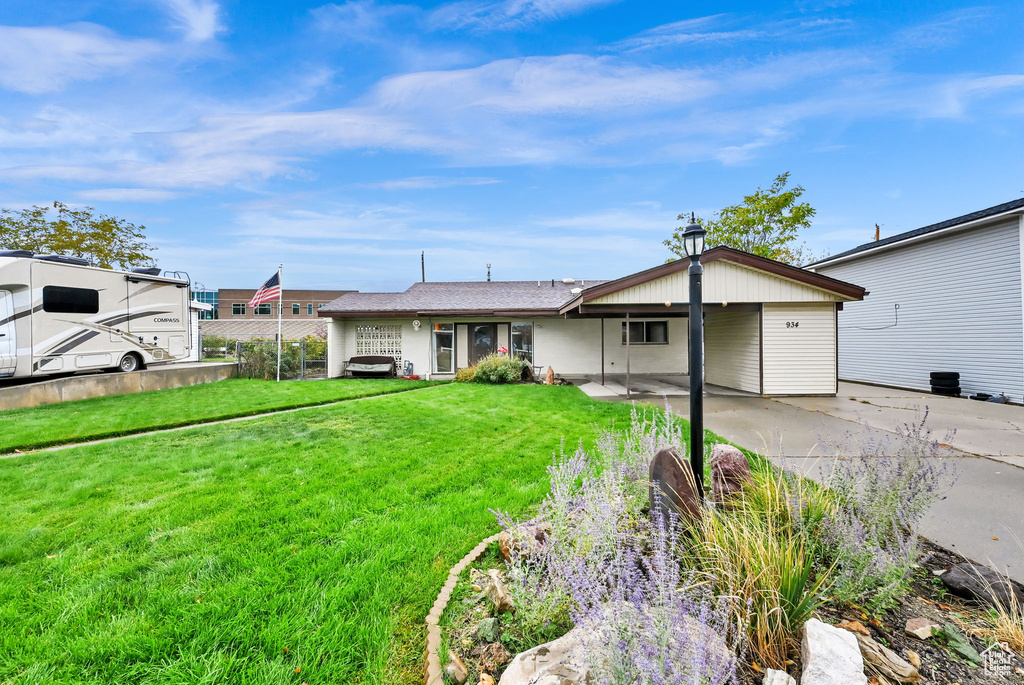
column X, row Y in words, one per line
column 881, row 495
column 499, row 368
column 760, row 554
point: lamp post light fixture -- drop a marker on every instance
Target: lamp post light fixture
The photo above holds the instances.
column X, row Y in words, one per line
column 693, row 245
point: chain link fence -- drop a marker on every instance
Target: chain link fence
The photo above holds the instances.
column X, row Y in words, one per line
column 216, row 348
column 300, row 359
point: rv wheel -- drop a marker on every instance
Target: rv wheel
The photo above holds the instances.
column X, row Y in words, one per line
column 129, row 363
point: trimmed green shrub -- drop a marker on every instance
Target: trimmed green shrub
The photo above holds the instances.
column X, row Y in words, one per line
column 465, row 374
column 499, row 368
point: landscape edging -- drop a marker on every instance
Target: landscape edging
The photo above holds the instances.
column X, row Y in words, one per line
column 433, row 668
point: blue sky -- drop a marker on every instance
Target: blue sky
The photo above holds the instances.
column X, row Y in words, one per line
column 549, row 138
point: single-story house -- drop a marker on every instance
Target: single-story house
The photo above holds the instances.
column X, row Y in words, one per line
column 944, row 297
column 770, row 328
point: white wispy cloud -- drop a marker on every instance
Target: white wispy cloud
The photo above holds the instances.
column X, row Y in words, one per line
column 545, row 85
column 507, row 14
column 570, row 109
column 199, row 20
column 127, row 195
column 722, row 28
column 643, row 217
column 362, row 21
column 428, row 183
column 44, row 59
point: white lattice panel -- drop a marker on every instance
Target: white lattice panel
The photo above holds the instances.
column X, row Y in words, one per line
column 383, row 339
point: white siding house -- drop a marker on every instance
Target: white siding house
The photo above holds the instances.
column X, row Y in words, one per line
column 945, row 297
column 769, row 327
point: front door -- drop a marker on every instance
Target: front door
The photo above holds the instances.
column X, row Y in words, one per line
column 483, row 340
column 8, row 345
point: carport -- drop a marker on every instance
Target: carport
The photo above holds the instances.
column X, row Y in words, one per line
column 769, row 328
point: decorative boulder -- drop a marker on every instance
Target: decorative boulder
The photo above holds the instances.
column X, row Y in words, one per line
column 559, row 662
column 831, row 656
column 488, row 630
column 983, row 584
column 773, row 677
column 730, row 470
column 921, row 628
column 525, row 540
column 887, row 662
column 492, row 586
column 456, row 670
column 672, row 486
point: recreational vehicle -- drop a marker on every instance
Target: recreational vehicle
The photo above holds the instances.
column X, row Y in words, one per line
column 60, row 315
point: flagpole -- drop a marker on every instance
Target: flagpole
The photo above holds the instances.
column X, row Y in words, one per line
column 280, row 310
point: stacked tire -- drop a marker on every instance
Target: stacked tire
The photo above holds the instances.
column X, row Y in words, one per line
column 945, row 383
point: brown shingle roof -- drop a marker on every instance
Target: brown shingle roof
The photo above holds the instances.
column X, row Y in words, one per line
column 455, row 297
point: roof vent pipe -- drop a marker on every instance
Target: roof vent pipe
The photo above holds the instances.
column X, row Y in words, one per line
column 568, row 281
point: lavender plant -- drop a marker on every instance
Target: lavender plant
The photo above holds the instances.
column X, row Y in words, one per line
column 582, row 515
column 880, row 496
column 614, row 572
column 630, row 451
column 648, row 622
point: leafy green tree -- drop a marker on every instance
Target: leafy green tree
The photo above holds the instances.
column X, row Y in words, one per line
column 104, row 240
column 766, row 223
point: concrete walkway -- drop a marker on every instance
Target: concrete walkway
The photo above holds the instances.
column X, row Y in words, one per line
column 982, row 516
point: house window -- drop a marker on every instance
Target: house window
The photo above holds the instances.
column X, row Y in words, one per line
column 646, row 332
column 444, row 347
column 385, row 339
column 295, row 309
column 237, row 309
column 57, row 298
column 309, row 310
column 522, row 341
column 262, row 309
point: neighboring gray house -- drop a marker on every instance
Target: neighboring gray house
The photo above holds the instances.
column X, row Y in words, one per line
column 958, row 288
column 770, row 328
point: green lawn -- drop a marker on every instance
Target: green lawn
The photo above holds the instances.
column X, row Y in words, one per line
column 305, row 547
column 122, row 414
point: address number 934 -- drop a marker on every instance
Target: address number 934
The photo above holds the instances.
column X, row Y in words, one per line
column 792, row 324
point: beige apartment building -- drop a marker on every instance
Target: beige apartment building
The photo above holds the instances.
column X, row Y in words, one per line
column 233, row 318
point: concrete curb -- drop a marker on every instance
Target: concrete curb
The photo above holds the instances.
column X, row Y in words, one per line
column 158, row 377
column 434, row 675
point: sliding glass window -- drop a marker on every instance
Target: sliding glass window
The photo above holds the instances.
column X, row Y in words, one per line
column 646, row 332
column 444, row 348
column 522, row 341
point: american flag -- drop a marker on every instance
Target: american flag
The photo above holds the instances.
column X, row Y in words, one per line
column 271, row 290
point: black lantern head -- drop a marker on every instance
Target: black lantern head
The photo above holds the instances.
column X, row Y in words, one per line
column 693, row 239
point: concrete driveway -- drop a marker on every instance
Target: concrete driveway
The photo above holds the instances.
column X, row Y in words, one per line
column 982, row 517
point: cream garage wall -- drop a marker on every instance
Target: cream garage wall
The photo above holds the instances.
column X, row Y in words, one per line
column 799, row 349
column 732, row 348
column 572, row 347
